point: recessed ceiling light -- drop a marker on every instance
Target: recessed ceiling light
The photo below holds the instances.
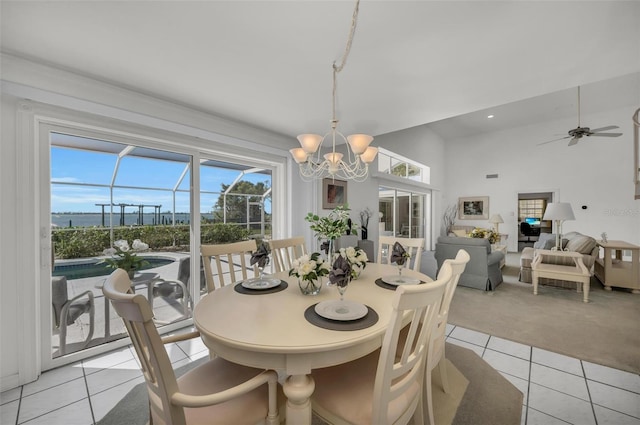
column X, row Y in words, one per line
column 489, row 116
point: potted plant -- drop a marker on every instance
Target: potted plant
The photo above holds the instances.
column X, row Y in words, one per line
column 125, row 257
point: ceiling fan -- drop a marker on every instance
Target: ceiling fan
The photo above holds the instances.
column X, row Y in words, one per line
column 579, row 132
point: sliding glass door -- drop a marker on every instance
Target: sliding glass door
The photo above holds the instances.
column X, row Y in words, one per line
column 128, row 203
column 405, row 213
column 115, row 205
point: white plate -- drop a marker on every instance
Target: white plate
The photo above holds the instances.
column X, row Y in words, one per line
column 400, row 280
column 341, row 310
column 258, row 284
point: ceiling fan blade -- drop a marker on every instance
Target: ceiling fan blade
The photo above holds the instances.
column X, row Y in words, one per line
column 606, row 134
column 573, row 141
column 554, row 140
column 611, row 127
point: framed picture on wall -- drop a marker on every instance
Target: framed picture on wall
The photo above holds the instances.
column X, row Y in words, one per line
column 473, row 208
column 334, row 193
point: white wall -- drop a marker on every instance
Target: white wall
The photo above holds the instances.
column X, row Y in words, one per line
column 9, row 350
column 597, row 172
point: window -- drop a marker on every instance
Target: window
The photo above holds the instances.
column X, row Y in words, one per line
column 532, row 208
column 397, row 165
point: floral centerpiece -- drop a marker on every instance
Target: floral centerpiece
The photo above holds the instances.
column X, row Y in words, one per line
column 356, row 257
column 485, row 233
column 309, row 269
column 124, row 256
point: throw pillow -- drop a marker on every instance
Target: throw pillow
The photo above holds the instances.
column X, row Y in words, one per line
column 460, row 233
column 582, row 244
column 545, row 241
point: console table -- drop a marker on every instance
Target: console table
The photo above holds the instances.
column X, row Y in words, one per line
column 614, row 271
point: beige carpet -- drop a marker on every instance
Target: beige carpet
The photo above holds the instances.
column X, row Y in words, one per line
column 605, row 331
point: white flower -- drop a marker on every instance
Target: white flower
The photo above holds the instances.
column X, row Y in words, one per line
column 307, row 267
column 356, row 257
column 310, row 267
column 138, row 245
column 109, row 251
column 122, row 245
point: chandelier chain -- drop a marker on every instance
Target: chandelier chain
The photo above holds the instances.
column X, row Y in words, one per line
column 355, row 166
column 345, row 55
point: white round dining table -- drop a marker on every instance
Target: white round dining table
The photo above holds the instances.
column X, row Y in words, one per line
column 270, row 331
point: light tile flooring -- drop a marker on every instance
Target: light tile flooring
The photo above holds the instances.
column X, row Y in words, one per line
column 557, row 389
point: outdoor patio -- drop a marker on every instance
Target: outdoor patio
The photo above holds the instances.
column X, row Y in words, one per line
column 166, row 310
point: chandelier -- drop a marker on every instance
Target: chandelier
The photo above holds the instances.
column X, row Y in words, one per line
column 359, row 154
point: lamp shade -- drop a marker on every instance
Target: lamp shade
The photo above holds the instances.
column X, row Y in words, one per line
column 558, row 211
column 359, row 142
column 496, row 218
column 299, row 155
column 369, row 155
column 310, row 142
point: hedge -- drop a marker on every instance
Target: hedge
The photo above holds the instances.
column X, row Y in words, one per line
column 84, row 242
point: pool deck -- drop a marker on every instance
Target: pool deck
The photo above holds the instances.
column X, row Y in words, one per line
column 165, row 310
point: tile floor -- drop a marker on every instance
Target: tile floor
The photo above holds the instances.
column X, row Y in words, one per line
column 557, row 389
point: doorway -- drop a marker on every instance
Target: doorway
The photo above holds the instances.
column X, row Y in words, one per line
column 531, row 208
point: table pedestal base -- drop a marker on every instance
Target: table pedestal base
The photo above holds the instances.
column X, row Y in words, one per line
column 298, row 389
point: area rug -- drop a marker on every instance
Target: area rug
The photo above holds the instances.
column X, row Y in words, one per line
column 603, row 331
column 479, row 395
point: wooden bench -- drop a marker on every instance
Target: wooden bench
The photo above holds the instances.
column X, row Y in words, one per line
column 577, row 273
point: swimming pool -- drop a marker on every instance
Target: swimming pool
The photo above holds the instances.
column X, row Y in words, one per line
column 92, row 267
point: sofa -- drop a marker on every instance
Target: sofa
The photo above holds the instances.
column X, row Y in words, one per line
column 572, row 241
column 483, row 270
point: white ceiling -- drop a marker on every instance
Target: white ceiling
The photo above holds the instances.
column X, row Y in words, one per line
column 268, row 63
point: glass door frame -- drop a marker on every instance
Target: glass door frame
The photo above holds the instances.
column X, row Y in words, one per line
column 138, row 137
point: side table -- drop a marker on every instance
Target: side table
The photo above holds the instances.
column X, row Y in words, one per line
column 614, row 271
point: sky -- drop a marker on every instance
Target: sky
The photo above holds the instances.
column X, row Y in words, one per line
column 161, row 176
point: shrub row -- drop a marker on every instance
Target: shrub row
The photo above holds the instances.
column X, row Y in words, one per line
column 91, row 241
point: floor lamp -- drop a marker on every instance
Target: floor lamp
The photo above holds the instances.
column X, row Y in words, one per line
column 559, row 212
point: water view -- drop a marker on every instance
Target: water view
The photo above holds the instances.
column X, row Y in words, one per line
column 84, row 219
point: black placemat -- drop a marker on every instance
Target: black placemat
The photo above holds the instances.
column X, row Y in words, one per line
column 385, row 285
column 370, row 319
column 242, row 290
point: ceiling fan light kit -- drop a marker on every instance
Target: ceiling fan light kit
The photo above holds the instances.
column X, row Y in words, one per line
column 359, row 154
column 580, row 132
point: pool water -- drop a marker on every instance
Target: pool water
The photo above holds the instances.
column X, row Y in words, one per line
column 93, row 269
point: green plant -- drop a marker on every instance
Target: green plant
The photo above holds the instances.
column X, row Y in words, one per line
column 331, row 226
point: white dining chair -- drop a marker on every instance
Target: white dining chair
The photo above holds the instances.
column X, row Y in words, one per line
column 214, row 392
column 381, row 388
column 230, row 260
column 438, row 335
column 413, row 246
column 284, row 251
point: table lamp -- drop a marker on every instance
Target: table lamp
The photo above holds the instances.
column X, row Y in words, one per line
column 496, row 219
column 559, row 212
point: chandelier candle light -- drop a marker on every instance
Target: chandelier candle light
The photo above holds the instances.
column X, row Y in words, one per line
column 359, row 153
